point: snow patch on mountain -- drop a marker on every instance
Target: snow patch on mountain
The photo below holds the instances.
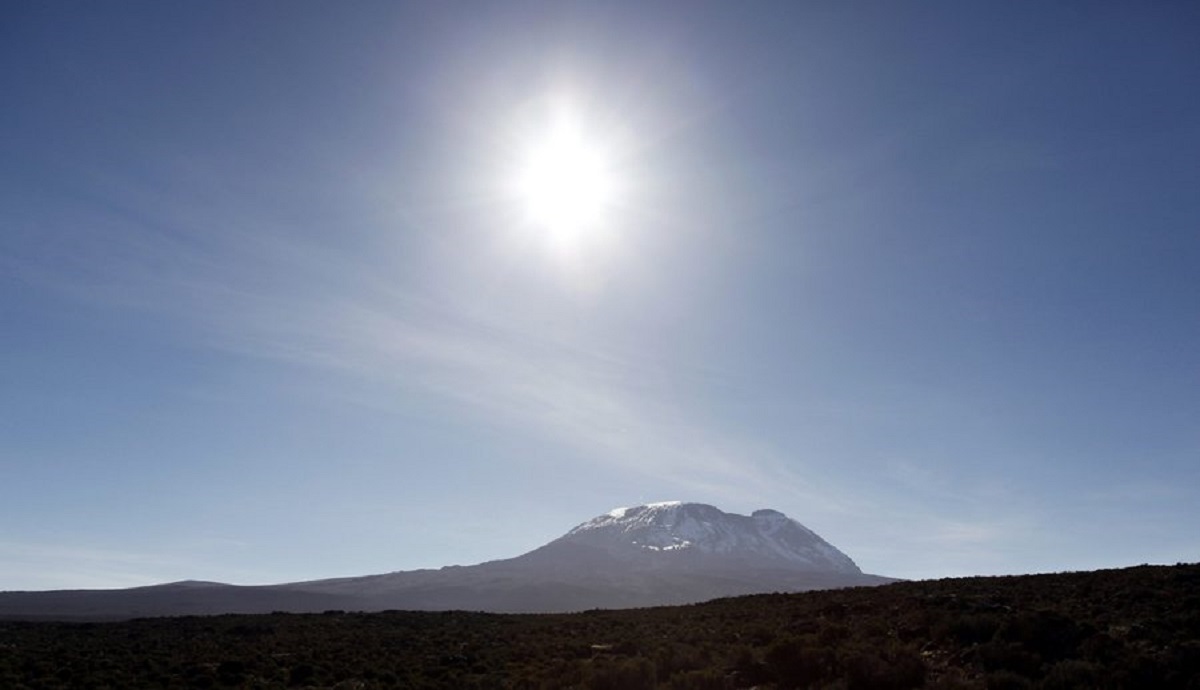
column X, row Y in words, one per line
column 620, row 512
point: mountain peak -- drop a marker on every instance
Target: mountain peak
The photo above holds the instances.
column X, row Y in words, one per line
column 675, row 529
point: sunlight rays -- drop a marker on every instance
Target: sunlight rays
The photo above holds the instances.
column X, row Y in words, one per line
column 565, row 182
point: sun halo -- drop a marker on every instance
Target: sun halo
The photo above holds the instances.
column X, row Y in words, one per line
column 565, row 184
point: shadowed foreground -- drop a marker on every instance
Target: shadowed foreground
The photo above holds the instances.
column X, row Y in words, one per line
column 1131, row 628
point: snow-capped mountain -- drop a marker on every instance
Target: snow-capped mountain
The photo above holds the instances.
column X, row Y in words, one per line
column 647, row 555
column 677, row 529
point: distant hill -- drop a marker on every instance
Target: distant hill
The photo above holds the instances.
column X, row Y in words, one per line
column 650, row 555
column 1135, row 628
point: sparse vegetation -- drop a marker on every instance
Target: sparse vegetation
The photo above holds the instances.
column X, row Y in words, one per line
column 1131, row 628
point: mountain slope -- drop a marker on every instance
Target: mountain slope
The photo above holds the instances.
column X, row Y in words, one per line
column 650, row 555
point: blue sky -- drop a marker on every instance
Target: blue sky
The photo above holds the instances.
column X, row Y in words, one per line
column 923, row 276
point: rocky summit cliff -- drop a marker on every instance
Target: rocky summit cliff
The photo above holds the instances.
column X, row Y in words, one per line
column 648, row 555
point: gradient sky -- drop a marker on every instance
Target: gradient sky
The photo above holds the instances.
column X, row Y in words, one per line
column 924, row 276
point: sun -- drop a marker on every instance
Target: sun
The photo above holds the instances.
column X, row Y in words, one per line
column 565, row 182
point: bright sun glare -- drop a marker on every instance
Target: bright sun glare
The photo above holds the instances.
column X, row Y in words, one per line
column 565, row 183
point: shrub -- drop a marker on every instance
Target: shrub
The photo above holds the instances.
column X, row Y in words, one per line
column 1051, row 635
column 900, row 669
column 1070, row 674
column 973, row 628
column 622, row 674
column 799, row 662
column 1007, row 656
column 699, row 680
column 1007, row 680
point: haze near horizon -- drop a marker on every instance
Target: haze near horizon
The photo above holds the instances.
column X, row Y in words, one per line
column 306, row 290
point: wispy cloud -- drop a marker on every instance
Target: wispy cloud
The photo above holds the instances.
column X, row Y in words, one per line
column 602, row 407
column 258, row 289
column 244, row 284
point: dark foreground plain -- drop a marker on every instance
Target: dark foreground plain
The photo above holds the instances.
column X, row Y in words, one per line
column 1130, row 628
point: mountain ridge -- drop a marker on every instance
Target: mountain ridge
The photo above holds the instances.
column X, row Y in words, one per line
column 649, row 555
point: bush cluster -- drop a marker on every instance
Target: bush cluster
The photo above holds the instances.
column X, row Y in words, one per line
column 1131, row 628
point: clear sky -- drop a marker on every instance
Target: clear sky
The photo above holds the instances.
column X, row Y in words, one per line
column 277, row 304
